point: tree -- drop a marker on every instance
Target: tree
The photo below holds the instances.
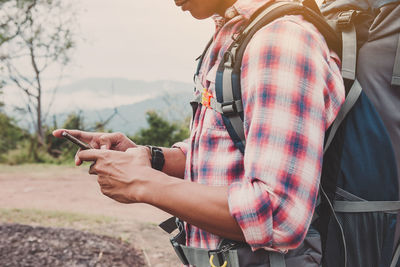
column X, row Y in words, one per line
column 59, row 146
column 1, row 92
column 10, row 134
column 34, row 36
column 161, row 132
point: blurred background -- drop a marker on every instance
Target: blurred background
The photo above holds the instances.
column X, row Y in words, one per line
column 95, row 65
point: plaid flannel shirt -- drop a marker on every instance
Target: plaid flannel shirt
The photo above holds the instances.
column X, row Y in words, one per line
column 292, row 90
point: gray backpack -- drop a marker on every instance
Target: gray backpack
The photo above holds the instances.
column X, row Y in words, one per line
column 354, row 223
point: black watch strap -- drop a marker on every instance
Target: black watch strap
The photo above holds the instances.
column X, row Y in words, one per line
column 157, row 158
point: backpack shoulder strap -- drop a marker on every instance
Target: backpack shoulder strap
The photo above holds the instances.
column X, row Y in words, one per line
column 201, row 57
column 227, row 86
column 396, row 68
column 276, row 10
column 346, row 27
column 197, row 99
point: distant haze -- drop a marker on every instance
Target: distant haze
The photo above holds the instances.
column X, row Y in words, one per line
column 140, row 40
column 150, row 40
column 96, row 99
column 170, row 99
column 101, row 93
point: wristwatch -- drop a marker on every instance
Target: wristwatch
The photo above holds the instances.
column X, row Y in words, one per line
column 157, row 158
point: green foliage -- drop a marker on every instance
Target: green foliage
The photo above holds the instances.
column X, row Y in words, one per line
column 17, row 146
column 2, row 83
column 161, row 132
column 10, row 134
column 27, row 152
column 26, row 149
column 60, row 148
column 1, row 102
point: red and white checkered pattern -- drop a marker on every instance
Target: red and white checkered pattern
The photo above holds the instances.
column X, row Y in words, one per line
column 292, row 90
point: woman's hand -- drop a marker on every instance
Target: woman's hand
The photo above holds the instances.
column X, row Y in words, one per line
column 112, row 141
column 121, row 175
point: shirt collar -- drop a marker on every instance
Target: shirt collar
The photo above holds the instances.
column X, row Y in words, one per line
column 245, row 8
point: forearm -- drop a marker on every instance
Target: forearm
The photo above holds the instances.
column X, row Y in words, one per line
column 175, row 161
column 203, row 206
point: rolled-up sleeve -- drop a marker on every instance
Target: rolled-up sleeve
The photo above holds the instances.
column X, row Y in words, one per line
column 292, row 91
column 183, row 146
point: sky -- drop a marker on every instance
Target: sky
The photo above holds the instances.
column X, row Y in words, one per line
column 146, row 40
column 139, row 40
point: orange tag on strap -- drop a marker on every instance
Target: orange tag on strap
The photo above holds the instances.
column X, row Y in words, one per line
column 206, row 98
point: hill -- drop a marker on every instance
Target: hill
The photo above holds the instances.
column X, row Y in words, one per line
column 98, row 98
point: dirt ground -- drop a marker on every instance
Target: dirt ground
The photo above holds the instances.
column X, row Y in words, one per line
column 40, row 246
column 71, row 189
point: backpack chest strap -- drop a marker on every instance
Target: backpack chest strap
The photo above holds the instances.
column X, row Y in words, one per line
column 227, row 253
column 207, row 100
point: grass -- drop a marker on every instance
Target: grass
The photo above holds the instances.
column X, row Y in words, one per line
column 43, row 170
column 30, row 167
column 38, row 167
column 54, row 218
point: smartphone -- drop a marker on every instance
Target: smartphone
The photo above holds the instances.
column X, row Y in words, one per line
column 76, row 141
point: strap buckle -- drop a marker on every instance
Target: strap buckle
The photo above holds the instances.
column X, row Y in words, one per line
column 229, row 108
column 179, row 252
column 219, row 253
column 229, row 58
column 206, row 98
column 178, row 240
column 222, row 260
column 212, row 262
column 345, row 18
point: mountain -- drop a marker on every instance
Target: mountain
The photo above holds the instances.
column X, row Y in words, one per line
column 98, row 99
column 130, row 118
column 100, row 93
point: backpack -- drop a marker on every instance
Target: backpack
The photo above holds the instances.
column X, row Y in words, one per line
column 354, row 223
